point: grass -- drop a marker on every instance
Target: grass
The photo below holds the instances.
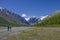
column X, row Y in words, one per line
column 4, row 22
column 12, row 38
column 40, row 33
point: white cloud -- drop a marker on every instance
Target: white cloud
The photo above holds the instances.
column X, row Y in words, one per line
column 23, row 15
column 42, row 17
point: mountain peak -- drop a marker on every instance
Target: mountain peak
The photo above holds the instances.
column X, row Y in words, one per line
column 2, row 8
column 11, row 17
column 33, row 16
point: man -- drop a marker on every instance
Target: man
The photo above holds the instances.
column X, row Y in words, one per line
column 8, row 28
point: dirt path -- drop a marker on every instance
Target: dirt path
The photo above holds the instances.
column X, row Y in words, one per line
column 4, row 33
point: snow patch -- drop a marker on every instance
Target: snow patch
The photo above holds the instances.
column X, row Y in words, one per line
column 42, row 17
column 27, row 19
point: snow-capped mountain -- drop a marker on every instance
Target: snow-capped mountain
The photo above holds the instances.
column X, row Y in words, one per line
column 13, row 17
column 32, row 20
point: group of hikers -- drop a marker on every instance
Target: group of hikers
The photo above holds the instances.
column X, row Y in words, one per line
column 9, row 28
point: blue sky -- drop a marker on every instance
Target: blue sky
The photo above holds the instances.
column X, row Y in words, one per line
column 31, row 7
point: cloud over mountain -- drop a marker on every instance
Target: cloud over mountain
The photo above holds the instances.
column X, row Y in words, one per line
column 23, row 15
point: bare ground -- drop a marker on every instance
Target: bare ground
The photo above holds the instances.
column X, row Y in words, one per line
column 4, row 33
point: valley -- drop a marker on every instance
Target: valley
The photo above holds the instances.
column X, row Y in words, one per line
column 38, row 33
column 4, row 33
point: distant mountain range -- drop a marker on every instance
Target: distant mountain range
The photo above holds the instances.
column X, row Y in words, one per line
column 32, row 20
column 10, row 18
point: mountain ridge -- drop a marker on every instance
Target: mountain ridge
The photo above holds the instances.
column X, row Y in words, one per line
column 11, row 17
column 51, row 20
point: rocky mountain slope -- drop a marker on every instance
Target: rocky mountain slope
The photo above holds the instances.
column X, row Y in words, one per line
column 11, row 18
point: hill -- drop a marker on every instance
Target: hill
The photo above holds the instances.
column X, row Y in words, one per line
column 51, row 20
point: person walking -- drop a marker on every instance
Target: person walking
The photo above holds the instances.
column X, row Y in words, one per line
column 8, row 28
